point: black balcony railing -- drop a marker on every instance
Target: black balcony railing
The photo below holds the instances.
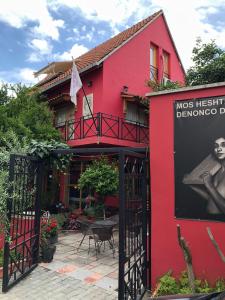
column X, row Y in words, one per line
column 153, row 73
column 104, row 125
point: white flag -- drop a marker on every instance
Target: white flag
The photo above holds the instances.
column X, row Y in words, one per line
column 75, row 84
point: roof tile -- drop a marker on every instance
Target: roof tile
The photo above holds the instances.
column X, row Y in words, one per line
column 98, row 53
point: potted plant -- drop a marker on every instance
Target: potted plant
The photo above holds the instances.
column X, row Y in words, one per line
column 47, row 250
column 48, row 238
column 100, row 178
column 49, row 230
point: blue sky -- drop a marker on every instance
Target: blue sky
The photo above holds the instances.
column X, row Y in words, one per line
column 34, row 33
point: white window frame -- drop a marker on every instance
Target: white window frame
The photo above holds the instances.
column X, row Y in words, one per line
column 86, row 111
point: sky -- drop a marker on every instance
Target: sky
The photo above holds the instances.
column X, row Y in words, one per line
column 34, row 33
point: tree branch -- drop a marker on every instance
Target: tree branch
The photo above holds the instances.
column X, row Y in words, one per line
column 188, row 259
column 215, row 244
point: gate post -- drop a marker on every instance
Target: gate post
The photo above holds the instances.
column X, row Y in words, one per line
column 7, row 231
column 38, row 211
column 144, row 218
column 122, row 207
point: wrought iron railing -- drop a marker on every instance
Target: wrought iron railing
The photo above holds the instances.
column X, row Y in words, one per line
column 104, row 125
column 153, row 73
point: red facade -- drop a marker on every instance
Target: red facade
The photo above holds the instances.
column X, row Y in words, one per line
column 114, row 82
column 113, row 74
column 166, row 253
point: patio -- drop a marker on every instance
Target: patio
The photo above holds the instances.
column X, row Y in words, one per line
column 72, row 274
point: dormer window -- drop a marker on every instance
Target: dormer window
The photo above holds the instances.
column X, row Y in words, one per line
column 153, row 63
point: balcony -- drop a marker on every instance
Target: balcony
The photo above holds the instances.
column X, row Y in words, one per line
column 104, row 125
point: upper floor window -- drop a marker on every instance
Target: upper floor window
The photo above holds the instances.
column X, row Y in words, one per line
column 165, row 65
column 153, row 63
column 86, row 110
column 64, row 114
column 135, row 113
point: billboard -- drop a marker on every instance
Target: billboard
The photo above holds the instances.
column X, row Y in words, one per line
column 199, row 158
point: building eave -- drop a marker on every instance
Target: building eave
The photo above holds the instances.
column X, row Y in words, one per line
column 186, row 89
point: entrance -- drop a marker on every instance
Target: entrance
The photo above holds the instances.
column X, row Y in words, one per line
column 21, row 254
column 133, row 261
column 21, row 247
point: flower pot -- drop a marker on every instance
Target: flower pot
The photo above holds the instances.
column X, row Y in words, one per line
column 47, row 253
column 53, row 239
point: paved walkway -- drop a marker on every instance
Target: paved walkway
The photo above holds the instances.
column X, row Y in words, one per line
column 71, row 275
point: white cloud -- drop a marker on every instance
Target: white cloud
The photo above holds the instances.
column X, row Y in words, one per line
column 41, row 45
column 27, row 75
column 23, row 75
column 116, row 12
column 19, row 13
column 41, row 48
column 75, row 51
column 186, row 19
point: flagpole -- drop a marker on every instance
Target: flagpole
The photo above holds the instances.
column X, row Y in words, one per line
column 96, row 127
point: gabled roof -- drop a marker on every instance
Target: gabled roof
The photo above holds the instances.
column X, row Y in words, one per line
column 97, row 55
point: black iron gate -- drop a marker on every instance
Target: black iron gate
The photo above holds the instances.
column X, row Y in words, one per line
column 133, row 260
column 23, row 209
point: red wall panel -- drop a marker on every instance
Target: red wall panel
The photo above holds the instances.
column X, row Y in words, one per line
column 166, row 253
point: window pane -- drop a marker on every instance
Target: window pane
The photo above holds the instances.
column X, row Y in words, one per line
column 136, row 113
column 165, row 64
column 153, row 63
column 86, row 110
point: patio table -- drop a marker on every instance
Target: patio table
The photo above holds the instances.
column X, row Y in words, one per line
column 103, row 223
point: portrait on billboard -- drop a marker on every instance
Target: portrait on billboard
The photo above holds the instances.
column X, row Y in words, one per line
column 199, row 157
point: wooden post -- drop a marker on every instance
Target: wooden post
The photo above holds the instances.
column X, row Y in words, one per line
column 187, row 258
column 219, row 251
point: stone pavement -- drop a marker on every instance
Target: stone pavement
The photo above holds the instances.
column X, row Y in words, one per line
column 72, row 274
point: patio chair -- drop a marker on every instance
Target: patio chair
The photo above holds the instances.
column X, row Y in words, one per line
column 101, row 235
column 85, row 229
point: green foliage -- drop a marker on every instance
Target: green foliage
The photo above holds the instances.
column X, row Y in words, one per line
column 15, row 256
column 60, row 218
column 209, row 64
column 101, row 177
column 9, row 144
column 25, row 114
column 168, row 285
column 96, row 210
column 43, row 150
column 220, row 285
column 4, row 95
column 160, row 86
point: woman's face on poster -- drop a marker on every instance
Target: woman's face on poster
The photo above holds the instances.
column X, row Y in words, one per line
column 219, row 148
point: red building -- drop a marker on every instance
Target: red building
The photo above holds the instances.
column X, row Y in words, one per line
column 193, row 120
column 113, row 74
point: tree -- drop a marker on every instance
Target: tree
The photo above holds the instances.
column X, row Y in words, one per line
column 209, row 64
column 26, row 114
column 101, row 177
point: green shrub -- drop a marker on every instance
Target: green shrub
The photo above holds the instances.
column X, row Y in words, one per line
column 220, row 285
column 168, row 285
